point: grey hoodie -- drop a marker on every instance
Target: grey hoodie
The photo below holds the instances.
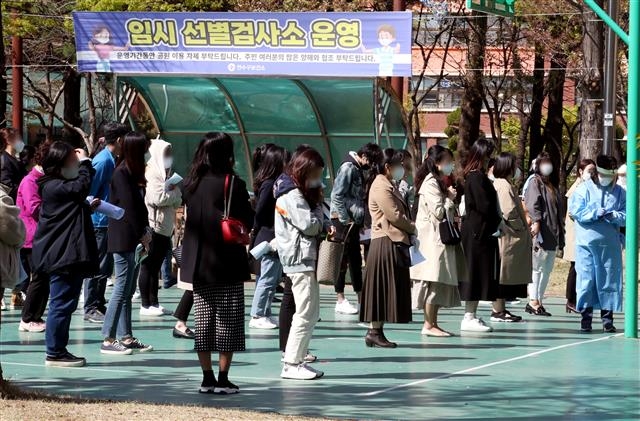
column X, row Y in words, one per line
column 297, row 227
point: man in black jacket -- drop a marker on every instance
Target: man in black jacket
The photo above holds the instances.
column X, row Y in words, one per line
column 348, row 210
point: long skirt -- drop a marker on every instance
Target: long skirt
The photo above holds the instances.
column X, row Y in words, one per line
column 386, row 290
column 219, row 318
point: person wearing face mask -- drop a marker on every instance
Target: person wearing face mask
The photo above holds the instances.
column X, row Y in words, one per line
column 215, row 269
column 480, row 232
column 406, row 190
column 64, row 245
column 162, row 200
column 586, row 172
column 11, row 174
column 104, row 163
column 127, row 191
column 348, row 216
column 599, row 209
column 544, row 206
column 299, row 222
column 515, row 242
column 435, row 281
column 386, row 294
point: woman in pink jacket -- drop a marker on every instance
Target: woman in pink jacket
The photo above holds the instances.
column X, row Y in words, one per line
column 28, row 201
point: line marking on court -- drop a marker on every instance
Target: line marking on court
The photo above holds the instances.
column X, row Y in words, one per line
column 481, row 367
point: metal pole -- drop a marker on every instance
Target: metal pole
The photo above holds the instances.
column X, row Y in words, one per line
column 610, row 73
column 608, row 21
column 633, row 113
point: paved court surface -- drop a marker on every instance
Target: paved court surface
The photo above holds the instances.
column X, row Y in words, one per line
column 542, row 368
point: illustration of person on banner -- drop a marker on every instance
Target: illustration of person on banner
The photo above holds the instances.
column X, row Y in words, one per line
column 385, row 53
column 102, row 44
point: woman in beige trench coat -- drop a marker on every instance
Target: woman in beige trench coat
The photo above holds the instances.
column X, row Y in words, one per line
column 515, row 242
column 436, row 279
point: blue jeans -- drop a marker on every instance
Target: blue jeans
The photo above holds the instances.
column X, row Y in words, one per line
column 165, row 270
column 270, row 275
column 65, row 293
column 117, row 320
column 95, row 287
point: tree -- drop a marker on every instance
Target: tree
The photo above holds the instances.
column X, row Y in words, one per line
column 473, row 97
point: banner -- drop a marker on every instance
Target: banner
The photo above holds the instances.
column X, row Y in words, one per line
column 365, row 44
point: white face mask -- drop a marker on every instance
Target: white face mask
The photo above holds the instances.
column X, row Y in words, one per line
column 168, row 162
column 622, row 180
column 605, row 180
column 586, row 176
column 546, row 169
column 385, row 42
column 70, row 173
column 447, row 169
column 314, row 183
column 102, row 38
column 518, row 174
column 18, row 146
column 397, row 173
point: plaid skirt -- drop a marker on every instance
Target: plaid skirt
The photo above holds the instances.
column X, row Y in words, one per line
column 219, row 318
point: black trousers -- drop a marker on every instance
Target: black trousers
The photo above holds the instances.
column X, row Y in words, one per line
column 351, row 259
column 184, row 307
column 571, row 284
column 150, row 269
column 287, row 310
column 37, row 293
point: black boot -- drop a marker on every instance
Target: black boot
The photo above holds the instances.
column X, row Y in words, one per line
column 393, row 344
column 375, row 338
column 587, row 319
column 607, row 321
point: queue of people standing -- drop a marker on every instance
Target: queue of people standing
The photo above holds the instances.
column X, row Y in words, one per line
column 478, row 236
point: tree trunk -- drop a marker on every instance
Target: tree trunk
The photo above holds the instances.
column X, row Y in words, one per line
column 591, row 132
column 536, row 142
column 71, row 111
column 472, row 99
column 554, row 125
column 3, row 88
column 93, row 129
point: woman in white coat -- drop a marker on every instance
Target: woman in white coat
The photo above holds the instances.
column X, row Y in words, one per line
column 436, row 279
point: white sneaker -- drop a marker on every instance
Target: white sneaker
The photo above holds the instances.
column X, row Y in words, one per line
column 274, row 320
column 474, row 325
column 262, row 323
column 164, row 310
column 3, row 306
column 300, row 372
column 151, row 311
column 345, row 307
column 136, row 296
column 110, row 282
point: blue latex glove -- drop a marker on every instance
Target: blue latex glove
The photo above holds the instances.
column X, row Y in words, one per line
column 601, row 213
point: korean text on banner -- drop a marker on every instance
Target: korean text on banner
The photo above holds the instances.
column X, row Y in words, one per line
column 245, row 44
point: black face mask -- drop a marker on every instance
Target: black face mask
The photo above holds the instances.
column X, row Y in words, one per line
column 366, row 167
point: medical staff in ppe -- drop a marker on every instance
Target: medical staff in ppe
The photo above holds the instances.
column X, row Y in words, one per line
column 598, row 208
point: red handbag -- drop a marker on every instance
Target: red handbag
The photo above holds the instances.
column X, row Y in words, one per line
column 233, row 230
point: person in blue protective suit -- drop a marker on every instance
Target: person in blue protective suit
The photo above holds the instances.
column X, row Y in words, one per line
column 598, row 208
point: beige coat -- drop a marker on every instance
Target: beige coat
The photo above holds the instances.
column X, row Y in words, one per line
column 516, row 243
column 570, row 229
column 12, row 236
column 389, row 212
column 444, row 264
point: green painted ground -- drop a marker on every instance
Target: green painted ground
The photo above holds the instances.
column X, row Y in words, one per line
column 542, row 368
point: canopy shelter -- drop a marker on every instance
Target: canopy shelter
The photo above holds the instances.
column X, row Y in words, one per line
column 332, row 115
